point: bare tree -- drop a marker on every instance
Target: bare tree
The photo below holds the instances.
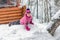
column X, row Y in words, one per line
column 46, row 10
column 37, row 9
column 54, row 27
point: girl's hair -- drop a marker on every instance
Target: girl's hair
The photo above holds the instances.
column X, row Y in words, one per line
column 28, row 10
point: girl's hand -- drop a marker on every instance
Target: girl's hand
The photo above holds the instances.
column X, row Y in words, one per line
column 31, row 23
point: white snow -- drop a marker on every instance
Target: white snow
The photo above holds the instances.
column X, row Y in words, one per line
column 57, row 15
column 57, row 34
column 18, row 32
column 38, row 31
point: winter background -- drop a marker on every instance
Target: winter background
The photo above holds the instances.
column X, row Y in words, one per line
column 43, row 11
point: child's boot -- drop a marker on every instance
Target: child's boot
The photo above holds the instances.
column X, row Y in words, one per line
column 27, row 28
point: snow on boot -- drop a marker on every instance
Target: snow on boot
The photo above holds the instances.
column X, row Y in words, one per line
column 27, row 28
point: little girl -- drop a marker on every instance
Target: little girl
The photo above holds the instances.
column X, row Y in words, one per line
column 27, row 19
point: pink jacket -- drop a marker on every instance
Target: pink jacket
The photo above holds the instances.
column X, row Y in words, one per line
column 25, row 19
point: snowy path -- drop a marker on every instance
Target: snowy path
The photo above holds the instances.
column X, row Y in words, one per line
column 18, row 32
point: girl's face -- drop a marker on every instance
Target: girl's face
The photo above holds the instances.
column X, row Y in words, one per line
column 28, row 14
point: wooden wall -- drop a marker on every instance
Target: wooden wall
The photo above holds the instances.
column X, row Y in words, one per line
column 11, row 14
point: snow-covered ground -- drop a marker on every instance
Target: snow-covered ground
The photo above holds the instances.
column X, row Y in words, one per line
column 18, row 32
column 38, row 31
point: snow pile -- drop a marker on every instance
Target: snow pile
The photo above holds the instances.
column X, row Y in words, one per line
column 49, row 25
column 56, row 16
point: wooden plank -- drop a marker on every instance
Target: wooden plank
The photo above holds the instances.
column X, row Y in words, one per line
column 9, row 20
column 9, row 15
column 7, row 12
column 8, row 9
column 18, row 17
column 5, row 22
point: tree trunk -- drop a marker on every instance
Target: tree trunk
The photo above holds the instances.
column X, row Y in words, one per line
column 54, row 27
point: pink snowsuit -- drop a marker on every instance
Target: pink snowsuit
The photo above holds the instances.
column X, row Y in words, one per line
column 25, row 20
